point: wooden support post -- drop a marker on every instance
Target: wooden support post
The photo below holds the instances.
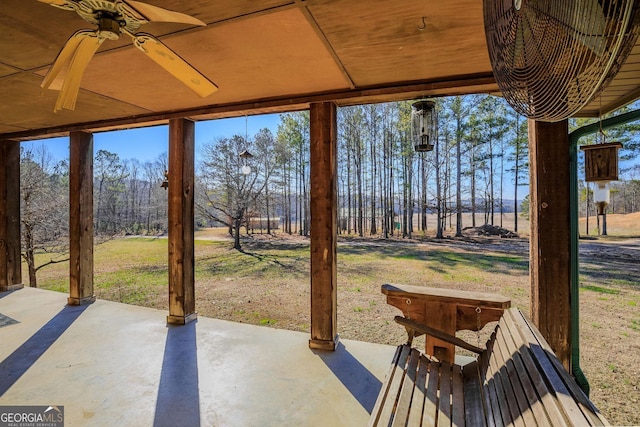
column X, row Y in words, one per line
column 10, row 266
column 81, row 219
column 324, row 231
column 182, row 304
column 550, row 242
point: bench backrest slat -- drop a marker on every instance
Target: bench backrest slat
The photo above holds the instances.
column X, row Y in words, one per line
column 430, row 403
column 493, row 382
column 385, row 398
column 444, row 402
column 572, row 400
column 406, row 393
column 545, row 388
column 474, row 404
column 419, row 394
column 520, row 408
column 583, row 402
column 532, row 389
column 457, row 399
column 543, row 358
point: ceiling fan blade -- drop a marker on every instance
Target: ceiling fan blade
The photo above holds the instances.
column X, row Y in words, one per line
column 176, row 66
column 87, row 47
column 55, row 2
column 55, row 76
column 158, row 14
column 61, row 4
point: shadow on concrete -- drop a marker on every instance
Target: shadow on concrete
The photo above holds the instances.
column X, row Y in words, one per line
column 6, row 293
column 360, row 382
column 19, row 362
column 178, row 402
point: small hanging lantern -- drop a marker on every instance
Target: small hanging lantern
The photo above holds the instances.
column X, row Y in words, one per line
column 424, row 121
column 245, row 156
column 165, row 182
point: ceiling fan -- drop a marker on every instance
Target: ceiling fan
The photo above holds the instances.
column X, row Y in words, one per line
column 114, row 18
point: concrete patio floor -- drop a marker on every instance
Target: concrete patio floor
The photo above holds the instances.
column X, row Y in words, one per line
column 112, row 364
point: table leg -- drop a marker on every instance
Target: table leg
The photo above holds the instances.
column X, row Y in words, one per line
column 441, row 316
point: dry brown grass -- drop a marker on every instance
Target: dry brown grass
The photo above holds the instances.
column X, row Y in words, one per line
column 617, row 225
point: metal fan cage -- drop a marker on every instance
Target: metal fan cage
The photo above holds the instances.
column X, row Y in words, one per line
column 550, row 58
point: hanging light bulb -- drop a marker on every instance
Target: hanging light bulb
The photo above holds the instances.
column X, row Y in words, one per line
column 245, row 155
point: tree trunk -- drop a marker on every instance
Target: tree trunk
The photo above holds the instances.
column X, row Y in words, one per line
column 515, row 191
column 359, row 188
column 349, row 200
column 588, row 199
column 492, row 205
column 458, row 177
column 237, row 223
column 33, row 280
column 439, row 234
column 473, row 186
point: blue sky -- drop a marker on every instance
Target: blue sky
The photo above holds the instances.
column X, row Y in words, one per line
column 146, row 144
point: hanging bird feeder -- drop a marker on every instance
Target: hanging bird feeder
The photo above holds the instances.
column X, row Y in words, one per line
column 424, row 121
column 601, row 167
column 601, row 162
column 165, row 182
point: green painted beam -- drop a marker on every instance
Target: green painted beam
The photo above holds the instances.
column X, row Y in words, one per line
column 574, row 137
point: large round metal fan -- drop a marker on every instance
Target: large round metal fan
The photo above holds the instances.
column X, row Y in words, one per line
column 113, row 18
column 551, row 57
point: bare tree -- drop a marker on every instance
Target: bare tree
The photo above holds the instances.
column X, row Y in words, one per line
column 44, row 214
column 228, row 191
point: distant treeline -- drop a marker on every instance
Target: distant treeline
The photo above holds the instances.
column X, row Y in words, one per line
column 479, row 165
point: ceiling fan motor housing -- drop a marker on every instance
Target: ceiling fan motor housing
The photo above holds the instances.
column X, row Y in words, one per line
column 108, row 27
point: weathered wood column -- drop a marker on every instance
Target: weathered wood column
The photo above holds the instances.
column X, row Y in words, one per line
column 324, row 231
column 10, row 268
column 182, row 304
column 81, row 219
column 550, row 242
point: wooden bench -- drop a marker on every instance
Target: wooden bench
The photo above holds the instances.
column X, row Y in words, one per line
column 516, row 380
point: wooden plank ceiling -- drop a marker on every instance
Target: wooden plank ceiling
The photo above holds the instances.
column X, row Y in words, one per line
column 265, row 56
